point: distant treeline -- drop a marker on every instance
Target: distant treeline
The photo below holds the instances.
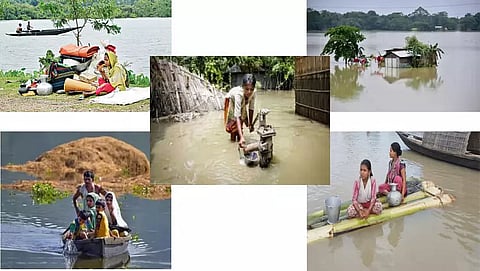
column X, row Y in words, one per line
column 420, row 20
column 29, row 9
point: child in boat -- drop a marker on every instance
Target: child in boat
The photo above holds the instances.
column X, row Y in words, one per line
column 364, row 201
column 396, row 172
column 19, row 28
column 92, row 197
column 101, row 223
column 80, row 228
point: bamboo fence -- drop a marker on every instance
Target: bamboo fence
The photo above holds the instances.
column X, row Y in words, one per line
column 312, row 87
column 175, row 90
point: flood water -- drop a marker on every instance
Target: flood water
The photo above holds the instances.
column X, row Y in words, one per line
column 200, row 151
column 452, row 86
column 31, row 234
column 23, row 52
column 438, row 238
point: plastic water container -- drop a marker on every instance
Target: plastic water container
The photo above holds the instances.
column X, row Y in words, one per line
column 332, row 209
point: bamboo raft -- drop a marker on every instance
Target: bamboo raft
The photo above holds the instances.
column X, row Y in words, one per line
column 175, row 90
column 430, row 196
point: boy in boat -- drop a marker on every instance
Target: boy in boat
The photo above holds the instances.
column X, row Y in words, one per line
column 101, row 229
column 19, row 28
column 364, row 200
column 80, row 228
column 235, row 110
column 29, row 27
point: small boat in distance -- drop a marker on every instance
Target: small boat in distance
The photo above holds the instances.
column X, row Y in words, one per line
column 466, row 149
column 44, row 32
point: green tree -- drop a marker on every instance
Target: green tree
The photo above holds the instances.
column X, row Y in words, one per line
column 343, row 42
column 99, row 14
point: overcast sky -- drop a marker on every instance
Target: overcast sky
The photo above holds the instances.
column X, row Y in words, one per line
column 456, row 8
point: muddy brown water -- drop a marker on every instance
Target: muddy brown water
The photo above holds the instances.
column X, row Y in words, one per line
column 200, row 151
column 435, row 239
column 452, row 86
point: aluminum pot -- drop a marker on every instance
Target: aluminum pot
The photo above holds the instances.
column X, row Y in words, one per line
column 394, row 197
column 44, row 88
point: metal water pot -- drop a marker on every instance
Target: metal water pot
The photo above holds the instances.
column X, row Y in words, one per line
column 332, row 209
column 44, row 88
column 394, row 197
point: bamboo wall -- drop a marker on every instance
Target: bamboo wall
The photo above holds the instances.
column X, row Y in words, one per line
column 175, row 90
column 450, row 142
column 312, row 87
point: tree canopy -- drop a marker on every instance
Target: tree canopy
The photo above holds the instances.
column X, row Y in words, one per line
column 420, row 19
column 98, row 13
column 215, row 69
column 343, row 42
column 29, row 9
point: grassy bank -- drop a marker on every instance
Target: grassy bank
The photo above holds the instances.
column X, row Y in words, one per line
column 12, row 101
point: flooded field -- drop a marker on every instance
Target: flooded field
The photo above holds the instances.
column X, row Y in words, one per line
column 452, row 86
column 200, row 151
column 438, row 238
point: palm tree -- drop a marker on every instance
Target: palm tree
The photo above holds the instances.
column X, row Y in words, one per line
column 434, row 53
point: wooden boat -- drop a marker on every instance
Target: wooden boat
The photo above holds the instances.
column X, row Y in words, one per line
column 118, row 261
column 430, row 196
column 102, row 247
column 43, row 32
column 467, row 159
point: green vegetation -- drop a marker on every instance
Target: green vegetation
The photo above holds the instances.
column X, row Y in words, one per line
column 420, row 19
column 29, row 9
column 216, row 69
column 142, row 190
column 138, row 80
column 429, row 54
column 343, row 42
column 45, row 193
column 98, row 13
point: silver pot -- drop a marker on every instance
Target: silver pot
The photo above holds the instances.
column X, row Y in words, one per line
column 394, row 197
column 44, row 88
column 332, row 209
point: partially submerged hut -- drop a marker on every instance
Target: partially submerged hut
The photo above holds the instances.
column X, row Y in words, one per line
column 398, row 58
column 175, row 90
column 312, row 87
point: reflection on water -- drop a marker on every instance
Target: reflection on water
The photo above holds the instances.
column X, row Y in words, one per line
column 414, row 78
column 344, row 82
column 119, row 261
column 407, row 242
column 452, row 86
column 200, row 151
column 364, row 241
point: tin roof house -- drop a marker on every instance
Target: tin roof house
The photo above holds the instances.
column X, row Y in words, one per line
column 398, row 58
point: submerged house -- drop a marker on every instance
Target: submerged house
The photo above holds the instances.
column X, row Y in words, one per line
column 398, row 58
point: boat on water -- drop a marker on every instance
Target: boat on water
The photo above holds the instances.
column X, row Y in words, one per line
column 429, row 196
column 43, row 32
column 434, row 145
column 78, row 262
column 101, row 247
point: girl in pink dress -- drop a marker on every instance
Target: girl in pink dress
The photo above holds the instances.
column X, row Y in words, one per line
column 396, row 172
column 364, row 200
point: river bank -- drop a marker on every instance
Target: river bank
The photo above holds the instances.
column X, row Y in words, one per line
column 12, row 101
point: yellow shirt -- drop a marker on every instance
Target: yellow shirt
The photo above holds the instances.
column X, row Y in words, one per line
column 102, row 225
